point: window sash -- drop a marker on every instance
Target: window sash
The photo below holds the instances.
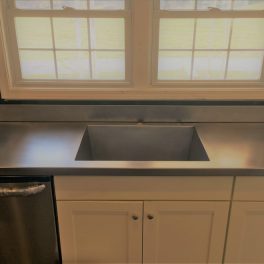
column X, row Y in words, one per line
column 13, row 12
column 198, row 14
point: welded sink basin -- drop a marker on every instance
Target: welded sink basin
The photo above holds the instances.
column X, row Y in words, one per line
column 141, row 143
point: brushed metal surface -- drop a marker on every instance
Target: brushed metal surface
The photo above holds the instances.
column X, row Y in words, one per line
column 131, row 113
column 141, row 143
column 27, row 227
column 50, row 148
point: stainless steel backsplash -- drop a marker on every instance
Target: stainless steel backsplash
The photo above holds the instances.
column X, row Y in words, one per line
column 130, row 113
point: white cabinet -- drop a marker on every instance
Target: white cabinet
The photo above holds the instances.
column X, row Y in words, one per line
column 100, row 232
column 184, row 232
column 111, row 232
column 143, row 219
column 245, row 242
column 159, row 220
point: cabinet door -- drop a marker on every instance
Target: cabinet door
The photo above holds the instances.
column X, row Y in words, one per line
column 100, row 232
column 184, row 232
column 245, row 242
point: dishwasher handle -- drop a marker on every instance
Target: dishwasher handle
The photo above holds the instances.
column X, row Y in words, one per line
column 25, row 191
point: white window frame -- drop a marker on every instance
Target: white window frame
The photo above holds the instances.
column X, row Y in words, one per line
column 140, row 36
column 67, row 14
column 196, row 14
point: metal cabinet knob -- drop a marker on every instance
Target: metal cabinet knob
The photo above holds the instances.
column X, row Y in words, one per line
column 135, row 217
column 150, row 217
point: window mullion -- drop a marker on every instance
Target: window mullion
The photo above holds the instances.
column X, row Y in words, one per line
column 71, row 13
column 193, row 47
column 229, row 48
column 210, row 14
column 128, row 48
column 229, row 44
column 54, row 48
column 89, row 42
column 53, row 43
column 194, row 40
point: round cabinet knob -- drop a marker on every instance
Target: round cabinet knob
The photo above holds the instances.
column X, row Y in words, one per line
column 135, row 217
column 150, row 217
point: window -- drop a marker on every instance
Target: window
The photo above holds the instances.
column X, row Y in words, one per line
column 73, row 40
column 209, row 40
column 132, row 49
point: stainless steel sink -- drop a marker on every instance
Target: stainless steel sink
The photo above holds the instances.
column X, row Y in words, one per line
column 141, row 143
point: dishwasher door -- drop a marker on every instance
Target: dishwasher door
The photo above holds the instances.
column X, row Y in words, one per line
column 28, row 226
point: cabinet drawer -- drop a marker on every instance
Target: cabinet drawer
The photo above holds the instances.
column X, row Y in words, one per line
column 249, row 188
column 143, row 187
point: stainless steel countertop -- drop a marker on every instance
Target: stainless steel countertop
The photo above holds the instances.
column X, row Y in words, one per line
column 50, row 149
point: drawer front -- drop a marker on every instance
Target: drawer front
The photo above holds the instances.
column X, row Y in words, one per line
column 143, row 187
column 249, row 188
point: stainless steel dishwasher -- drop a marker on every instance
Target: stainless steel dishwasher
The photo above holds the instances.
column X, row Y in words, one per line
column 28, row 221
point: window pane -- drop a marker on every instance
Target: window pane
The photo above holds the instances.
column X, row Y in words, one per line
column 249, row 4
column 206, row 4
column 245, row 65
column 33, row 32
column 107, row 33
column 37, row 64
column 71, row 33
column 248, row 33
column 176, row 33
column 33, row 4
column 174, row 65
column 73, row 65
column 107, row 4
column 76, row 4
column 108, row 65
column 212, row 33
column 209, row 65
column 177, row 4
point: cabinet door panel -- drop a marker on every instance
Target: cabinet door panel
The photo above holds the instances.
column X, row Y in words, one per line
column 245, row 242
column 100, row 232
column 184, row 232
